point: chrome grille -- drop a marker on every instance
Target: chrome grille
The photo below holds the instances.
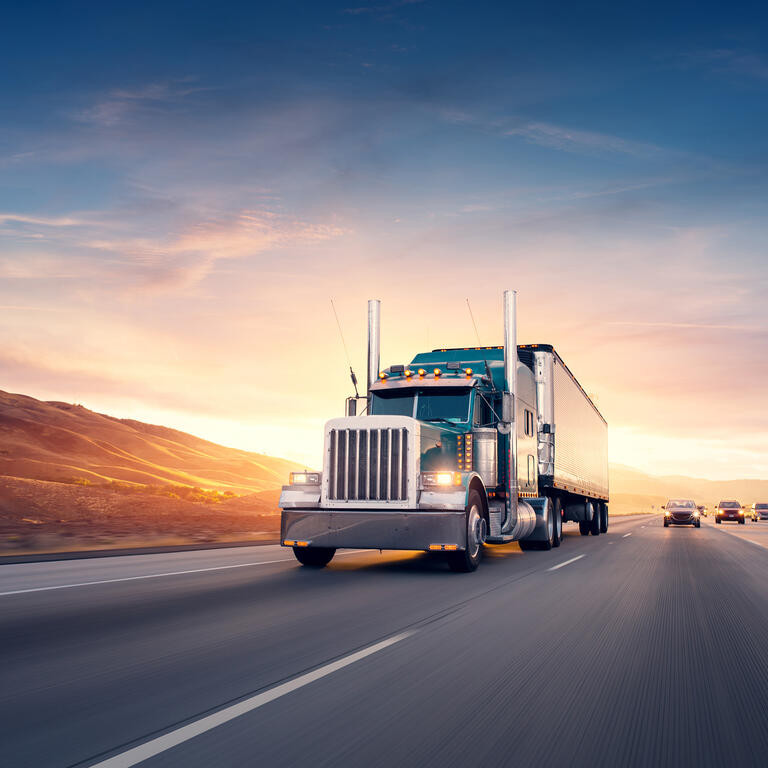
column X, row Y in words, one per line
column 368, row 464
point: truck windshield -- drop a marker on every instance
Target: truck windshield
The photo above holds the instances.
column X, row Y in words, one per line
column 450, row 405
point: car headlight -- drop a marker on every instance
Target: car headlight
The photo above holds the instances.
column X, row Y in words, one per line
column 440, row 479
column 696, row 513
column 305, row 478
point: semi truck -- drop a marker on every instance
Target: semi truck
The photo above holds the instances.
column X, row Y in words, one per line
column 460, row 449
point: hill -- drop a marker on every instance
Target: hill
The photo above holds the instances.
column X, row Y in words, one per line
column 61, row 442
column 636, row 491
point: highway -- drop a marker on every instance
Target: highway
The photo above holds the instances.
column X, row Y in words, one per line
column 645, row 646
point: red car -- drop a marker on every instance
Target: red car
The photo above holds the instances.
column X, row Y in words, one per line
column 729, row 510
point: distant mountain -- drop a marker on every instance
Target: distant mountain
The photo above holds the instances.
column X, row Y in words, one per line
column 633, row 490
column 62, row 442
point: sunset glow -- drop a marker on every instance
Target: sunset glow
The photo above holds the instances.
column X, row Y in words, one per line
column 171, row 235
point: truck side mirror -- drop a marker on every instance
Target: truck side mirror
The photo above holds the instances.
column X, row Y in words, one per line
column 355, row 406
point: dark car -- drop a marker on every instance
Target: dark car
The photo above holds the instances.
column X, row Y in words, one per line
column 759, row 511
column 729, row 510
column 681, row 512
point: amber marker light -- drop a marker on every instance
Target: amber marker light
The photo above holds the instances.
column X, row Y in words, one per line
column 437, row 373
column 383, row 376
column 422, row 373
column 468, row 371
column 408, row 373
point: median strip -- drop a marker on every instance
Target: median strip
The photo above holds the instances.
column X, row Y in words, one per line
column 186, row 732
column 567, row 562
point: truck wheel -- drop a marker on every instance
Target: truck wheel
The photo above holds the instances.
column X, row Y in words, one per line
column 557, row 515
column 467, row 560
column 594, row 525
column 603, row 517
column 584, row 527
column 314, row 557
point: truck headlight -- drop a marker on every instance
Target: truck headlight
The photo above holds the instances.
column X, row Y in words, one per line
column 305, row 478
column 431, row 479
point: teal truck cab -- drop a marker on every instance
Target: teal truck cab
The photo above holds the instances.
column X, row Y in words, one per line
column 459, row 449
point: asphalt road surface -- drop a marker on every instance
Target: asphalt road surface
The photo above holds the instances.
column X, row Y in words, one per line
column 642, row 647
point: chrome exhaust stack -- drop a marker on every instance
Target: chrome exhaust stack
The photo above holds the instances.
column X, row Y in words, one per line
column 374, row 343
column 508, row 425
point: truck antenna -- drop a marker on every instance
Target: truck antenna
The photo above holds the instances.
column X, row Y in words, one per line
column 346, row 351
column 474, row 324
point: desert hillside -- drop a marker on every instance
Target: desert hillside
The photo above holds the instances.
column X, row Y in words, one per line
column 61, row 442
column 635, row 491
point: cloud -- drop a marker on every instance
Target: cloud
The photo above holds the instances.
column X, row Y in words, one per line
column 725, row 60
column 187, row 258
column 572, row 140
column 555, row 136
column 121, row 103
column 382, row 9
column 692, row 326
column 44, row 221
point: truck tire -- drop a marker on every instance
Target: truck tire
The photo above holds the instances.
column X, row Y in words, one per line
column 549, row 525
column 467, row 560
column 584, row 527
column 594, row 525
column 557, row 514
column 314, row 557
column 603, row 517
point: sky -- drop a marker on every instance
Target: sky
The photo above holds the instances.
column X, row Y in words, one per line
column 184, row 187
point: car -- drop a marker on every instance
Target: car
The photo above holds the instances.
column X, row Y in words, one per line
column 702, row 510
column 729, row 510
column 681, row 512
column 759, row 511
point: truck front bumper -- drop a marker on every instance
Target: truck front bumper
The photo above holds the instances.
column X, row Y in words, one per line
column 373, row 529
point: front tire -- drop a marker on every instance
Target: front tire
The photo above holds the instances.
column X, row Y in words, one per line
column 314, row 557
column 742, row 521
column 718, row 521
column 666, row 523
column 467, row 560
column 697, row 524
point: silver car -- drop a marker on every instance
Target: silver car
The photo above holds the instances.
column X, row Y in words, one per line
column 759, row 511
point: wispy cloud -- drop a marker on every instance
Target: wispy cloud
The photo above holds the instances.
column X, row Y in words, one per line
column 43, row 221
column 187, row 258
column 726, row 60
column 692, row 326
column 554, row 136
column 119, row 104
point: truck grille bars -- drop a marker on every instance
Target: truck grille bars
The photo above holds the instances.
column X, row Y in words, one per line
column 368, row 464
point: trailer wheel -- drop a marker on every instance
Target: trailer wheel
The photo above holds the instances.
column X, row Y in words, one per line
column 584, row 527
column 314, row 557
column 467, row 560
column 557, row 515
column 594, row 525
column 603, row 517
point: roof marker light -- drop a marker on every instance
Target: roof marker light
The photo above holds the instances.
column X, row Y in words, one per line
column 383, row 376
column 408, row 373
column 422, row 373
column 468, row 371
column 437, row 373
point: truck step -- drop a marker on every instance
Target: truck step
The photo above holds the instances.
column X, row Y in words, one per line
column 495, row 518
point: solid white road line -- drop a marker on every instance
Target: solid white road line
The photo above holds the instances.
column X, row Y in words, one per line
column 186, row 732
column 159, row 575
column 567, row 562
column 625, row 535
column 743, row 538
